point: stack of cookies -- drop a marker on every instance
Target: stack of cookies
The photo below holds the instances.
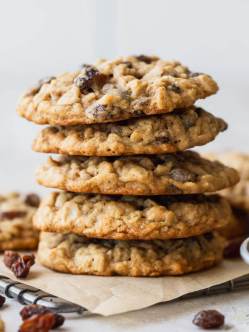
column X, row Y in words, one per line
column 133, row 201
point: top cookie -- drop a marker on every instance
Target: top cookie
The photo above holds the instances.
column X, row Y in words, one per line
column 115, row 90
column 239, row 194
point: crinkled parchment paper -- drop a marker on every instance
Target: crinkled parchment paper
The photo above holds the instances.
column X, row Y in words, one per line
column 113, row 295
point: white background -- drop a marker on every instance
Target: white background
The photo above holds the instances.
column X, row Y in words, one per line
column 45, row 37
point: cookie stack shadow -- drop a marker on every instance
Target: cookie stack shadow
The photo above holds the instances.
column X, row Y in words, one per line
column 134, row 202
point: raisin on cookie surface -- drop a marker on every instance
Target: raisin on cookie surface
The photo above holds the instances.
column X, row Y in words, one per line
column 74, row 254
column 180, row 173
column 129, row 217
column 177, row 131
column 115, row 90
column 16, row 227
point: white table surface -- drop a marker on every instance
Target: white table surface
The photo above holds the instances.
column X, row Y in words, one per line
column 159, row 318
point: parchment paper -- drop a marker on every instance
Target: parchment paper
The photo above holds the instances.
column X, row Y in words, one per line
column 113, row 295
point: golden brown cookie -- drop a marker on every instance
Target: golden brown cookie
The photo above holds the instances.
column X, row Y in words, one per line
column 235, row 232
column 180, row 173
column 74, row 254
column 177, row 131
column 16, row 228
column 115, row 90
column 131, row 217
column 238, row 195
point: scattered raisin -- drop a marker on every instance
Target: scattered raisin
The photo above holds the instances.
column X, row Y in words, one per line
column 19, row 265
column 90, row 78
column 38, row 323
column 144, row 58
column 10, row 257
column 59, row 321
column 34, row 309
column 10, row 215
column 32, row 200
column 2, row 300
column 175, row 88
column 209, row 319
column 31, row 310
column 182, row 175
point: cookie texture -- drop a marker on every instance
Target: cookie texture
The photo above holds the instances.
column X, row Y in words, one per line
column 129, row 217
column 78, row 255
column 114, row 90
column 237, row 195
column 16, row 228
column 235, row 232
column 172, row 132
column 180, row 173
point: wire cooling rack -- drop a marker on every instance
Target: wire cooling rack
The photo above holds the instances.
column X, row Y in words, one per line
column 27, row 295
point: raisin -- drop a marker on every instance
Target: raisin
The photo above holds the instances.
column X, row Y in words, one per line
column 182, row 175
column 209, row 236
column 89, row 79
column 19, row 265
column 32, row 200
column 31, row 310
column 38, row 323
column 100, row 109
column 194, row 74
column 22, row 265
column 175, row 88
column 188, row 120
column 173, row 190
column 162, row 140
column 209, row 319
column 10, row 215
column 2, row 300
column 144, row 58
column 10, row 257
column 59, row 321
column 128, row 64
column 34, row 309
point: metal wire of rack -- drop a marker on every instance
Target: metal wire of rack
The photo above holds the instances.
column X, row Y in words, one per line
column 25, row 294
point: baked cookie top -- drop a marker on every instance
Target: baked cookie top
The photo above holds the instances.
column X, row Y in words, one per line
column 78, row 255
column 129, row 217
column 180, row 173
column 115, row 90
column 177, row 131
column 16, row 214
column 238, row 195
